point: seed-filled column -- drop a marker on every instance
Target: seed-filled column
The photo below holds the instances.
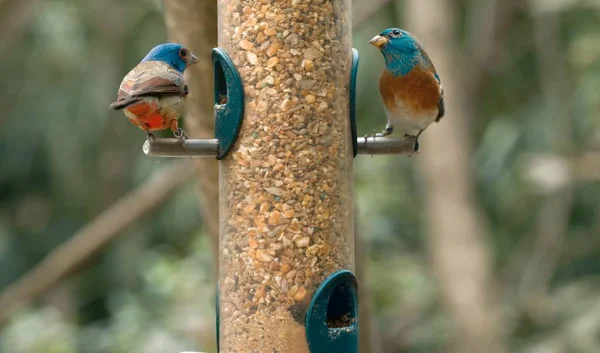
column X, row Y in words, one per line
column 286, row 193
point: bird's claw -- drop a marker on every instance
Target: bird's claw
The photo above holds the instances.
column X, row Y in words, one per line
column 389, row 129
column 416, row 138
column 372, row 134
column 150, row 136
column 180, row 134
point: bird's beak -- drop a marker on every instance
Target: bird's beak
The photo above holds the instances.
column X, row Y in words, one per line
column 193, row 59
column 378, row 41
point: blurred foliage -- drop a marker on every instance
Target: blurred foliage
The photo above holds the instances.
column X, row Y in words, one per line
column 65, row 157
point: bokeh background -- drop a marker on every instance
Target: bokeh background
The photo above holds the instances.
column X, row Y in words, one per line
column 487, row 241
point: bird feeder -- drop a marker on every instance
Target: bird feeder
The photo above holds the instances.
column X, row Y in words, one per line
column 285, row 138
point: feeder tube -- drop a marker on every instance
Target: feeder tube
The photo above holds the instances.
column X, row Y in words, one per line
column 286, row 187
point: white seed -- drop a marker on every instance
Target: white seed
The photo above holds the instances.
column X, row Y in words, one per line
column 303, row 242
column 252, row 58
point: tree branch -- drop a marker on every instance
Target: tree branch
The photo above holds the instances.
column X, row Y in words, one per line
column 107, row 226
column 486, row 23
column 194, row 24
column 455, row 223
column 553, row 219
column 14, row 15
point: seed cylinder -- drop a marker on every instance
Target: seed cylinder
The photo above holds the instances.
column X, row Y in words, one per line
column 286, row 187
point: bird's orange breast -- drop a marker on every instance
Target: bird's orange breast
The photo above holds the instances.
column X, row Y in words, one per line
column 418, row 91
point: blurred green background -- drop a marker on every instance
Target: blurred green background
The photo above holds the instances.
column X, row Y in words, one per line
column 64, row 158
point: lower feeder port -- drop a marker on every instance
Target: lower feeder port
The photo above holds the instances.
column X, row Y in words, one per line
column 286, row 187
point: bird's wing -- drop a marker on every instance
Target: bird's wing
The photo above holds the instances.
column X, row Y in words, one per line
column 149, row 79
column 428, row 64
column 441, row 104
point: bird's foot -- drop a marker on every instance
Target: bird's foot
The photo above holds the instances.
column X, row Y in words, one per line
column 389, row 129
column 416, row 138
column 150, row 136
column 372, row 134
column 180, row 134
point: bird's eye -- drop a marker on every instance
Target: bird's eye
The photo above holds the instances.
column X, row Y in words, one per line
column 396, row 33
column 183, row 53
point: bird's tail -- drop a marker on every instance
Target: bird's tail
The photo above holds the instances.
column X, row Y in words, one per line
column 123, row 103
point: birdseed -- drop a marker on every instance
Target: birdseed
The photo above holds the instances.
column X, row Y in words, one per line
column 287, row 186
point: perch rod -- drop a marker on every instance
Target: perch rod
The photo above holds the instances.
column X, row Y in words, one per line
column 170, row 147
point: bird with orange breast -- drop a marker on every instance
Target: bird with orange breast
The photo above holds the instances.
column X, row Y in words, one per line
column 153, row 93
column 409, row 85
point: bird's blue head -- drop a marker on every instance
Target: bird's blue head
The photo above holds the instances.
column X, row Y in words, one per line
column 400, row 49
column 176, row 55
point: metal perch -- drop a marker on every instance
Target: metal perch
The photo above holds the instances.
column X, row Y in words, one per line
column 170, row 147
column 386, row 145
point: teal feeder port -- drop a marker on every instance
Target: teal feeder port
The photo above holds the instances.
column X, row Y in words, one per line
column 229, row 101
column 217, row 313
column 353, row 76
column 332, row 318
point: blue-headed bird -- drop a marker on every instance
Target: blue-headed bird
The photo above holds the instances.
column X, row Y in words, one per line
column 409, row 85
column 153, row 93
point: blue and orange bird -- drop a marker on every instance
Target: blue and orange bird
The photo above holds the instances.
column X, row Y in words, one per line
column 153, row 94
column 409, row 85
